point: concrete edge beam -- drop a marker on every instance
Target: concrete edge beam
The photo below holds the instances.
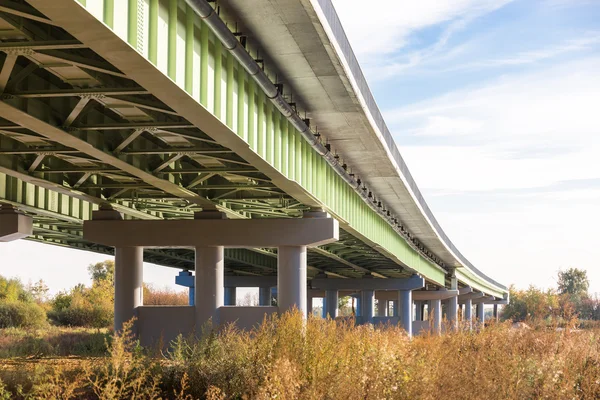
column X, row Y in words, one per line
column 412, row 283
column 238, row 233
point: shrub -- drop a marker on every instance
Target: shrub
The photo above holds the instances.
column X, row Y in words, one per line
column 21, row 315
column 88, row 307
column 164, row 297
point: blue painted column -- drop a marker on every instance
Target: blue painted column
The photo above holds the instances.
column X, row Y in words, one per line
column 405, row 298
column 264, row 296
column 436, row 312
column 367, row 305
column 186, row 279
column 230, row 296
column 453, row 312
column 418, row 311
column 382, row 308
column 469, row 313
column 358, row 309
column 331, row 303
column 481, row 314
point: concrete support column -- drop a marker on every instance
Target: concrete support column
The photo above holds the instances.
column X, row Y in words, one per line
column 357, row 307
column 481, row 313
column 469, row 312
column 331, row 303
column 367, row 302
column 436, row 306
column 496, row 312
column 405, row 299
column 230, row 296
column 209, row 284
column 382, row 308
column 418, row 311
column 264, row 296
column 453, row 312
column 291, row 278
column 128, row 283
column 192, row 296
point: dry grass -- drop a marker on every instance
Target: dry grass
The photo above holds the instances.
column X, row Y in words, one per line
column 287, row 359
column 164, row 297
column 53, row 341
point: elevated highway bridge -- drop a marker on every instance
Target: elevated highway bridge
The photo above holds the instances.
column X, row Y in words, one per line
column 171, row 110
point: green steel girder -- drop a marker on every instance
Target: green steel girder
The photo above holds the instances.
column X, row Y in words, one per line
column 132, row 137
column 244, row 109
column 58, row 220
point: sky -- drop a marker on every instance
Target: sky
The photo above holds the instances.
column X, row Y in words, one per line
column 495, row 107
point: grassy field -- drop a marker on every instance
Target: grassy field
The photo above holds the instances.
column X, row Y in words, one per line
column 285, row 359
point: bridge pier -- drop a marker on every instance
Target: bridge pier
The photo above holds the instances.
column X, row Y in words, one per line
column 367, row 302
column 480, row 307
column 264, row 296
column 401, row 288
column 129, row 264
column 435, row 298
column 230, row 295
column 209, row 233
column 331, row 303
column 452, row 312
column 210, row 294
column 406, row 302
column 382, row 308
column 291, row 279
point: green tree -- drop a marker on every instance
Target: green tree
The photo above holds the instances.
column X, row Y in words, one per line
column 573, row 281
column 102, row 271
column 531, row 304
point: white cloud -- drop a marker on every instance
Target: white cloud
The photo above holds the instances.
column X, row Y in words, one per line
column 524, row 131
column 389, row 23
column 583, row 43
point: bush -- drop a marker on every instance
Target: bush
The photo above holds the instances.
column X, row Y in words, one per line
column 21, row 315
column 164, row 297
column 88, row 307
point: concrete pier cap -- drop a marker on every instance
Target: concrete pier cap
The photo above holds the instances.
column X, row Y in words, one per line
column 14, row 225
column 211, row 230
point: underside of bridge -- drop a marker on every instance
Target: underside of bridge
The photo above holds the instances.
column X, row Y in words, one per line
column 75, row 134
column 146, row 108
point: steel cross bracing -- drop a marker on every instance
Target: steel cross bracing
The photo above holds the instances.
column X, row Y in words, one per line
column 144, row 160
column 88, row 136
column 68, row 95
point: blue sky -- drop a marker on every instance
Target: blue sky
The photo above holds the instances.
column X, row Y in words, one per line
column 495, row 107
